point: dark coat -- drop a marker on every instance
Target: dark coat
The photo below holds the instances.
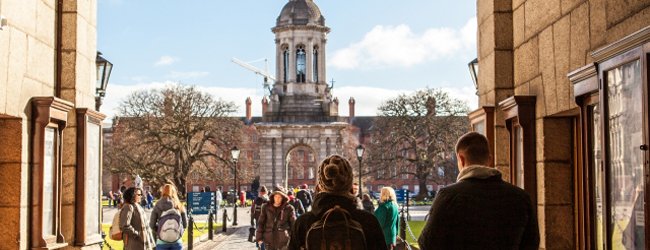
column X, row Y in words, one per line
column 275, row 223
column 297, row 205
column 481, row 211
column 322, row 203
column 368, row 206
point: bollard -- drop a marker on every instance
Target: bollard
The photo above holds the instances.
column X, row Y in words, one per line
column 402, row 226
column 224, row 225
column 190, row 233
column 210, row 232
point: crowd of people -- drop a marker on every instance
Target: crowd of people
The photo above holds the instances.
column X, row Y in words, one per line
column 479, row 211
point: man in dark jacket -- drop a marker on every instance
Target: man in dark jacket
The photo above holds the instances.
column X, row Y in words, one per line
column 334, row 189
column 275, row 222
column 304, row 196
column 480, row 211
column 256, row 208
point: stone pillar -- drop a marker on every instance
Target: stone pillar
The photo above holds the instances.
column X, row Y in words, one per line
column 292, row 62
column 279, row 61
column 309, row 63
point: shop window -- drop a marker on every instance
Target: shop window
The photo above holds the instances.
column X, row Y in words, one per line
column 88, row 189
column 482, row 121
column 50, row 116
column 520, row 121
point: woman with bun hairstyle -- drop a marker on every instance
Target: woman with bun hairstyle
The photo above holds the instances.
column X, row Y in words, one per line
column 387, row 214
column 333, row 187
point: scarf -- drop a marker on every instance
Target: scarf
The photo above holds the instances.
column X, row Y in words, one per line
column 478, row 171
column 147, row 236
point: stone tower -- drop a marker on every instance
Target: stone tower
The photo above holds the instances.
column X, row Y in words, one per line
column 301, row 92
column 300, row 112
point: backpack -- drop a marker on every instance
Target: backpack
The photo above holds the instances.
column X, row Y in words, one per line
column 304, row 198
column 115, row 232
column 170, row 227
column 259, row 201
column 335, row 230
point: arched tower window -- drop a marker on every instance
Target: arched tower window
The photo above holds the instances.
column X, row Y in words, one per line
column 286, row 64
column 315, row 58
column 301, row 65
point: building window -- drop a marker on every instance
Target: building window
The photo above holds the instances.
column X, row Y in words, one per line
column 416, row 189
column 311, row 173
column 195, row 176
column 429, row 187
column 311, row 156
column 196, row 188
column 519, row 155
column 301, row 66
column 292, row 173
column 393, row 173
column 256, row 156
column 254, row 138
column 315, row 60
column 368, row 188
column 286, row 65
column 405, row 174
column 405, row 187
column 379, row 187
column 301, row 156
column 301, row 172
column 380, row 173
column 441, row 171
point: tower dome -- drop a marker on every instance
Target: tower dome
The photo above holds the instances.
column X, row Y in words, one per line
column 300, row 12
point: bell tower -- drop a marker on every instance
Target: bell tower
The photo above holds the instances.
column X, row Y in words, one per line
column 301, row 93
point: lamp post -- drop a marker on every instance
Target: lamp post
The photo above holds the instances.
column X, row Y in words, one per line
column 473, row 70
column 360, row 150
column 234, row 153
column 104, row 68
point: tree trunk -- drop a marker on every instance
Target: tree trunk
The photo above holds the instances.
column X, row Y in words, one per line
column 181, row 185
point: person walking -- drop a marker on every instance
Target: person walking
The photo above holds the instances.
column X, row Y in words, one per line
column 242, row 198
column 133, row 222
column 387, row 214
column 111, row 197
column 149, row 199
column 367, row 204
column 275, row 222
column 305, row 197
column 480, row 210
column 333, row 189
column 256, row 210
column 168, row 206
column 218, row 199
column 355, row 192
column 296, row 203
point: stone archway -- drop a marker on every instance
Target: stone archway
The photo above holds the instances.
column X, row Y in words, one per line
column 300, row 162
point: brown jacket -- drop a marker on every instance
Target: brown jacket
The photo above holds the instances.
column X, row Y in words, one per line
column 134, row 228
column 275, row 223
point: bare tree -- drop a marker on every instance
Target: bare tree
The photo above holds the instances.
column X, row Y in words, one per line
column 415, row 134
column 166, row 134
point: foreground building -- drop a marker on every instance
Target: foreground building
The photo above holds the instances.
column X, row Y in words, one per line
column 50, row 130
column 563, row 96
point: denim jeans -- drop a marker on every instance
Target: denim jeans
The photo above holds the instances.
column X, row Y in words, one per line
column 175, row 246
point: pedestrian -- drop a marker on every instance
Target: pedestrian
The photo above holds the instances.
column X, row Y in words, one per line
column 333, row 192
column 355, row 192
column 256, row 210
column 110, row 198
column 367, row 204
column 480, row 210
column 242, row 198
column 168, row 205
column 133, row 222
column 305, row 197
column 119, row 198
column 296, row 203
column 149, row 199
column 218, row 198
column 387, row 214
column 275, row 222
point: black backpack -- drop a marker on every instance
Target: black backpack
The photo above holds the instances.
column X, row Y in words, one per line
column 335, row 230
column 303, row 196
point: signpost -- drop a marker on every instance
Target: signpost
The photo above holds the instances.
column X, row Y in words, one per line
column 201, row 203
column 401, row 195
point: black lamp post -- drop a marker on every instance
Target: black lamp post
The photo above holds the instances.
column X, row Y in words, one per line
column 360, row 150
column 234, row 153
column 104, row 68
column 473, row 70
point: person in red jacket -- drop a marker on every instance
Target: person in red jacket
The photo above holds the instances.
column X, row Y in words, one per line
column 242, row 198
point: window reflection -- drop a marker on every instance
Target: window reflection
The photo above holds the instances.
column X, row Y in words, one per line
column 624, row 120
column 597, row 170
column 519, row 157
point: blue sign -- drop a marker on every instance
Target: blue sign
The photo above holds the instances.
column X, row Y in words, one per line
column 202, row 202
column 401, row 195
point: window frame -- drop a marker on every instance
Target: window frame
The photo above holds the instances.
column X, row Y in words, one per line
column 484, row 114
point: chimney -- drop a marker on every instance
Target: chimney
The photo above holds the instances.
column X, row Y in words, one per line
column 351, row 102
column 265, row 102
column 248, row 108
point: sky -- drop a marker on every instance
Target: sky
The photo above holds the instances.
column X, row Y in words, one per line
column 375, row 51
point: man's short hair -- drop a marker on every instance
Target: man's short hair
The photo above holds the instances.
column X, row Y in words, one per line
column 475, row 147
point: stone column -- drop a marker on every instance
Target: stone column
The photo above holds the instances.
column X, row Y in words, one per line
column 309, row 63
column 292, row 61
column 279, row 61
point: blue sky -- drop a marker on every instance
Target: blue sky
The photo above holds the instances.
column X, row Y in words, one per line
column 376, row 49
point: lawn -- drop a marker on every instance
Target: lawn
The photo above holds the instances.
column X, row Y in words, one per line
column 416, row 228
column 118, row 245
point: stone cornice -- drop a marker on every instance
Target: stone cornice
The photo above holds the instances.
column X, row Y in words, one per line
column 300, row 27
column 623, row 45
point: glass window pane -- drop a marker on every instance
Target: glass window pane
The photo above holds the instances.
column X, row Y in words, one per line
column 48, row 182
column 479, row 127
column 301, row 66
column 519, row 157
column 597, row 170
column 93, row 198
column 625, row 123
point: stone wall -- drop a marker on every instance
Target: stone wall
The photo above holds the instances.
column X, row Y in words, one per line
column 28, row 58
column 527, row 47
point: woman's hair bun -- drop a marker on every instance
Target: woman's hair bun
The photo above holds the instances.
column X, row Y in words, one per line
column 331, row 171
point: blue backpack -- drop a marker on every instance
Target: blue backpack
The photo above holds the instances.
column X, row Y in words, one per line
column 170, row 226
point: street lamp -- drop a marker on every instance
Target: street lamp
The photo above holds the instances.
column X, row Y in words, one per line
column 360, row 151
column 104, row 68
column 473, row 70
column 234, row 153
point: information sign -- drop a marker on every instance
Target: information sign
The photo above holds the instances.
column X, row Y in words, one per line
column 401, row 195
column 201, row 202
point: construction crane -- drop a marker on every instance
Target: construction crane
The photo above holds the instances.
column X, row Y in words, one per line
column 264, row 73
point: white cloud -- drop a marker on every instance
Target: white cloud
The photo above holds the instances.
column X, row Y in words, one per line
column 399, row 46
column 166, row 60
column 139, row 78
column 191, row 74
column 367, row 98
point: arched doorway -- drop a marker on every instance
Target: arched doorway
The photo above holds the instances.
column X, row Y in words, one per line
column 300, row 166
